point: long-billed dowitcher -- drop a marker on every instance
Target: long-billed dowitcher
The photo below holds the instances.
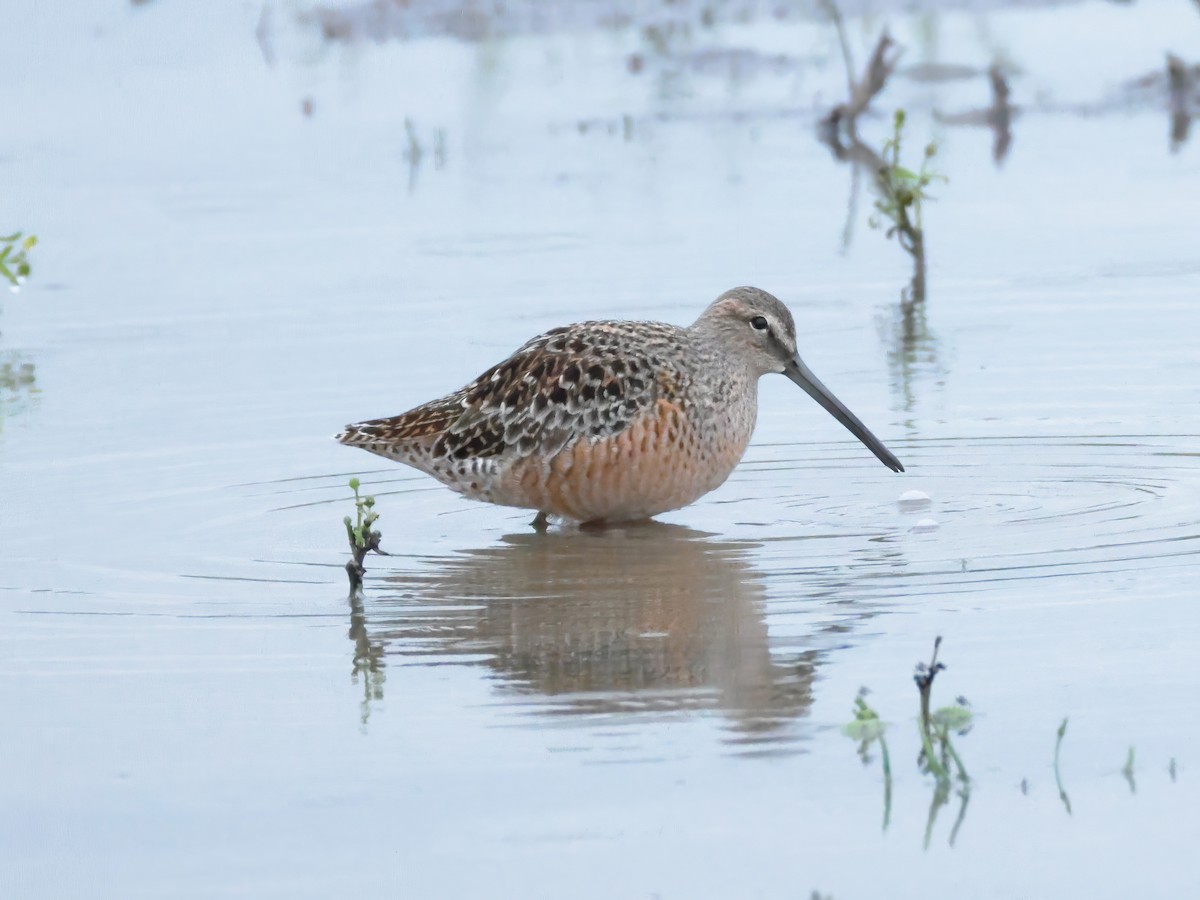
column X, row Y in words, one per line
column 610, row 421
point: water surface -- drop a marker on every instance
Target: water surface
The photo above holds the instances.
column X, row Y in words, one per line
column 224, row 279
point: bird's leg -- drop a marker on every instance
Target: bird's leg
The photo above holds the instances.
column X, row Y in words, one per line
column 540, row 522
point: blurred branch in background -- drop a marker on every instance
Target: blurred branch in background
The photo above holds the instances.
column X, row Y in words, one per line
column 1179, row 81
column 865, row 89
column 998, row 117
column 1176, row 87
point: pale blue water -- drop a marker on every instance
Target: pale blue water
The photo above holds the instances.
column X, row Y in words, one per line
column 192, row 709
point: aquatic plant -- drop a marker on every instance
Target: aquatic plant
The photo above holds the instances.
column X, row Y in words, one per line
column 14, row 266
column 902, row 193
column 937, row 748
column 363, row 537
column 938, row 755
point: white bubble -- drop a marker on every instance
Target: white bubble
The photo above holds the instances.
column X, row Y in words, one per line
column 913, row 501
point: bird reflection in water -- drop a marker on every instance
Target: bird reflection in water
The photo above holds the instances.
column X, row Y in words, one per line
column 648, row 619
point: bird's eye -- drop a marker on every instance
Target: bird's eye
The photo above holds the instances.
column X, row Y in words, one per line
column 758, row 323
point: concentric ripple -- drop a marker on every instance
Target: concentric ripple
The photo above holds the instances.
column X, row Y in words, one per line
column 638, row 623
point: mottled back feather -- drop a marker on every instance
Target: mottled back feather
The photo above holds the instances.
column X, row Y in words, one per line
column 588, row 380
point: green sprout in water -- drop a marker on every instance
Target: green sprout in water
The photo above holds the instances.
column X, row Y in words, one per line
column 903, row 190
column 867, row 728
column 14, row 261
column 901, row 195
column 363, row 538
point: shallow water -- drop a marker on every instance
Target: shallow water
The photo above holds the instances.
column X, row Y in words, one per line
column 192, row 707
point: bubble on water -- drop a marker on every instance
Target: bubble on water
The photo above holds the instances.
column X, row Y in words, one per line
column 925, row 525
column 913, row 501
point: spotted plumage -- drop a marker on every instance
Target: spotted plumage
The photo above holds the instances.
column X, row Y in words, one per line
column 612, row 420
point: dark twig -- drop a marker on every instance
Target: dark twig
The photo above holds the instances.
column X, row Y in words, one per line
column 1000, row 115
column 924, row 677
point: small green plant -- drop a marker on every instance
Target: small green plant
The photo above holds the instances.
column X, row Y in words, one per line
column 363, row 537
column 14, row 266
column 903, row 191
column 867, row 728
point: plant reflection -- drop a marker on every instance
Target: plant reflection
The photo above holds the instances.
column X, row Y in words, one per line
column 18, row 384
column 912, row 350
column 368, row 664
column 652, row 618
column 941, row 796
column 938, row 756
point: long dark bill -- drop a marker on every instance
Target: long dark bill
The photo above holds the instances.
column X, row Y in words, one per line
column 803, row 376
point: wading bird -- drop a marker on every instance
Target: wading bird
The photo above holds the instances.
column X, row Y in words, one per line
column 610, row 421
